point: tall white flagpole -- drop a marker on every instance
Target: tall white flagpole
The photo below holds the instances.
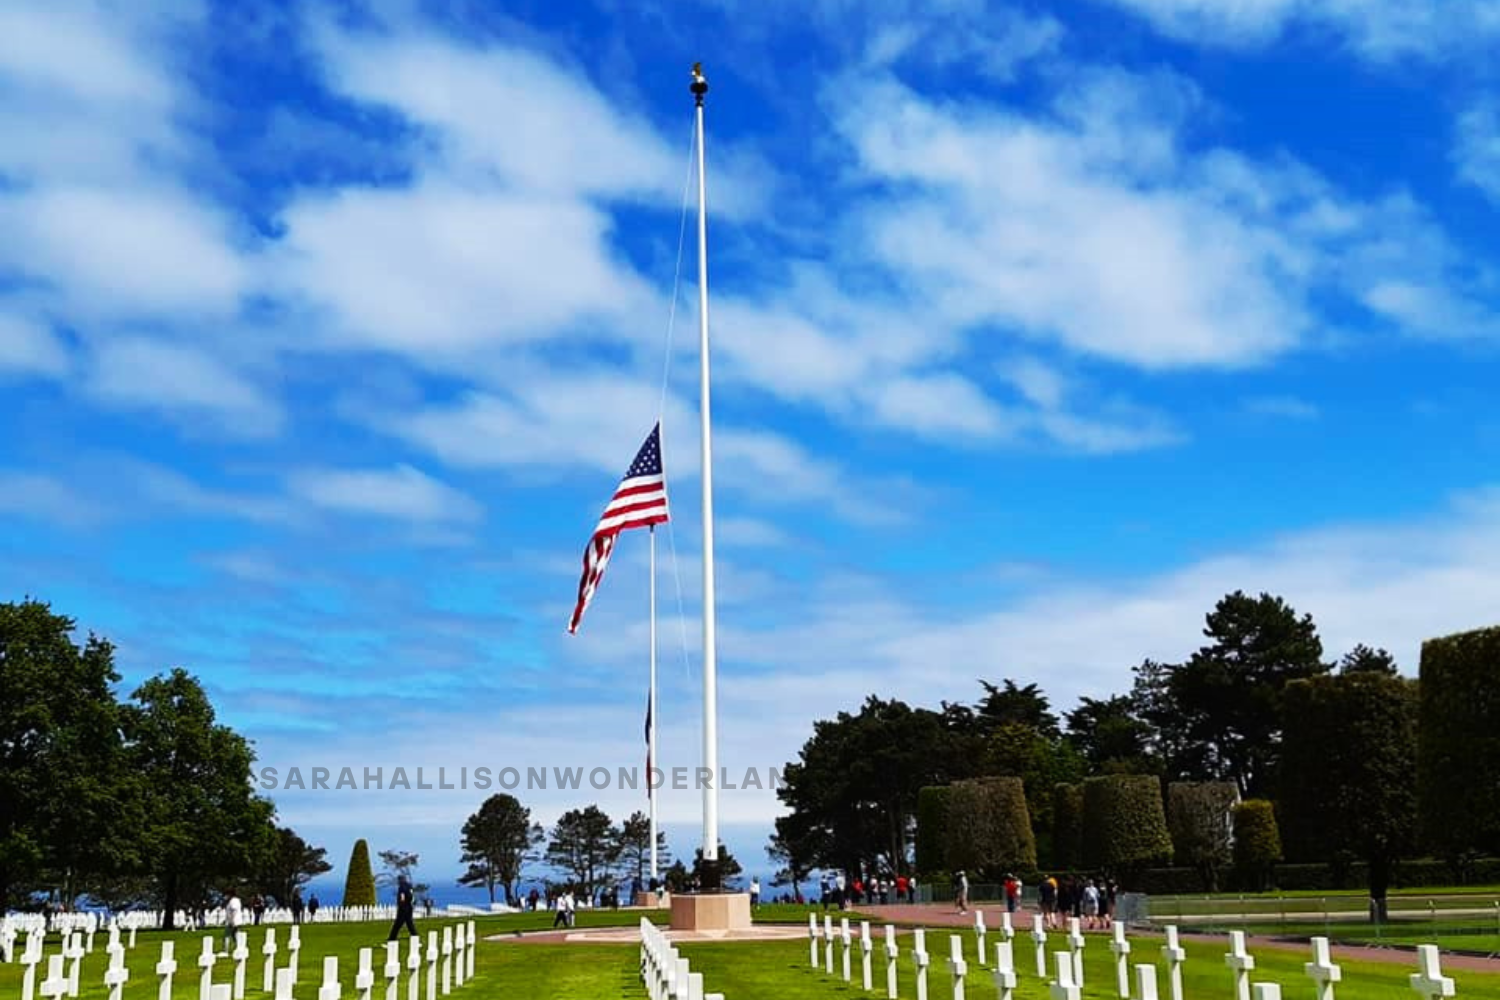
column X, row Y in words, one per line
column 651, row 709
column 699, row 87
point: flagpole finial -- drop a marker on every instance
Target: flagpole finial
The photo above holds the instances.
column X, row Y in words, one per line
column 699, row 86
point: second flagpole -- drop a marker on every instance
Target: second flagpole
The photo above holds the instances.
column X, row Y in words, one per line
column 651, row 712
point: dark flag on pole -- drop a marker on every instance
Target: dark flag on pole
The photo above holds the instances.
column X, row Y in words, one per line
column 639, row 502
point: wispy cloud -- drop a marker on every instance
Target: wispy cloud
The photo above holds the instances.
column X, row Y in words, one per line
column 1477, row 149
column 28, row 347
column 1289, row 407
column 177, row 379
column 403, row 493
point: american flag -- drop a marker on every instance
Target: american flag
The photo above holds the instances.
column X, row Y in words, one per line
column 640, row 501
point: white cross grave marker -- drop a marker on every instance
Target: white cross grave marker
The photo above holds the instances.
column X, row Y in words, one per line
column 241, row 955
column 1145, row 982
column 116, row 975
column 330, row 990
column 293, row 950
column 1076, row 942
column 892, row 953
column 206, row 960
column 268, row 980
column 164, row 971
column 1005, row 973
column 414, row 969
column 460, row 949
column 89, row 940
column 919, row 958
column 433, row 954
column 73, row 949
column 132, row 936
column 55, row 986
column 223, row 992
column 447, row 960
column 364, row 979
column 844, row 942
column 812, row 939
column 1321, row 969
column 1175, row 955
column 683, row 983
column 1240, row 963
column 31, row 956
column 980, row 930
column 1267, row 991
column 1429, row 982
column 1121, row 949
column 865, row 944
column 1065, row 988
column 827, row 945
column 957, row 967
column 1039, row 937
column 392, row 970
column 471, row 937
column 284, row 984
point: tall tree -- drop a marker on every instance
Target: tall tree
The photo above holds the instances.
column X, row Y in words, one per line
column 584, row 844
column 1364, row 660
column 1111, row 736
column 68, row 805
column 204, row 827
column 497, row 841
column 1349, row 778
column 1228, row 695
column 293, row 862
column 635, row 845
column 791, row 870
column 853, row 793
column 1011, row 704
column 359, row 883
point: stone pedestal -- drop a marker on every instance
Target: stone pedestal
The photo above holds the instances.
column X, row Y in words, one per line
column 647, row 899
column 717, row 911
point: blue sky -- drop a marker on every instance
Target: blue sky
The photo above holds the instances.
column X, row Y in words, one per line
column 327, row 330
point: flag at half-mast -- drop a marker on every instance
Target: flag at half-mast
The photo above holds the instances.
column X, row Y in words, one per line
column 639, row 502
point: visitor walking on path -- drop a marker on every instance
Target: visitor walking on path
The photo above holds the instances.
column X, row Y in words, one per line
column 405, row 903
column 961, row 887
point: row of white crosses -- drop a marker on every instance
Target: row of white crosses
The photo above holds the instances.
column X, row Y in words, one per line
column 1429, row 983
column 665, row 973
column 452, row 955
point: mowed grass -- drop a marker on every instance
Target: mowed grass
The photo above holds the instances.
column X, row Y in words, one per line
column 511, row 967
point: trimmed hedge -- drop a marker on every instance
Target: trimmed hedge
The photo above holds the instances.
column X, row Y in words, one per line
column 1067, row 826
column 1458, row 743
column 1124, row 824
column 988, row 829
column 1257, row 841
column 1200, row 819
column 359, row 884
column 932, row 831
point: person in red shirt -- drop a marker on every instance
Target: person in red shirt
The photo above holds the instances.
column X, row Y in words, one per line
column 901, row 889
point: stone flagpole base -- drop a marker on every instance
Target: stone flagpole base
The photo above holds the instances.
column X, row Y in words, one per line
column 716, row 911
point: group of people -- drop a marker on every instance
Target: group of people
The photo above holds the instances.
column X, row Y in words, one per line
column 1091, row 900
column 838, row 891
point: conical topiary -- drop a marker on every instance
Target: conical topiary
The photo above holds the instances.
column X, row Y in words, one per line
column 359, row 884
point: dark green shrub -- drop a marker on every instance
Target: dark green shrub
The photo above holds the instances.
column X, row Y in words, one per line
column 359, row 883
column 1458, row 743
column 1067, row 826
column 1124, row 824
column 1257, row 841
column 989, row 828
column 932, row 837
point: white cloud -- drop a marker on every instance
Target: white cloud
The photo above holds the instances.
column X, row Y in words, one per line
column 1477, row 151
column 28, row 347
column 439, row 270
column 45, row 498
column 178, row 379
column 1375, row 29
column 403, row 493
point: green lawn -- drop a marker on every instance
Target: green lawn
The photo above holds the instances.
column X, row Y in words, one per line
column 773, row 969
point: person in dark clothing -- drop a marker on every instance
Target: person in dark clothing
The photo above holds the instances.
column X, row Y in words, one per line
column 405, row 903
column 296, row 906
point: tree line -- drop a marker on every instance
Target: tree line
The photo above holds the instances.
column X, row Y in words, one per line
column 145, row 800
column 1346, row 760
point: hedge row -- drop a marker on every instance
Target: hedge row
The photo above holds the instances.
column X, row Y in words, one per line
column 988, row 830
column 1457, row 741
column 1292, row 878
column 932, row 830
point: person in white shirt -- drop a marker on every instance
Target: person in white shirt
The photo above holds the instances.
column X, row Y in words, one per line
column 232, row 911
column 755, row 892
